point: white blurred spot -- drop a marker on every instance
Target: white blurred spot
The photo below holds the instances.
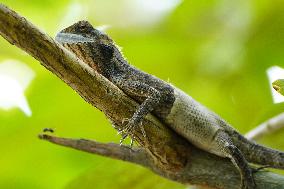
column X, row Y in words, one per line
column 274, row 73
column 123, row 13
column 14, row 79
column 103, row 28
column 149, row 12
column 155, row 7
column 75, row 12
column 132, row 13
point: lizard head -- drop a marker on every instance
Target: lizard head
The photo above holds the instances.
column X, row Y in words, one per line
column 81, row 32
column 89, row 44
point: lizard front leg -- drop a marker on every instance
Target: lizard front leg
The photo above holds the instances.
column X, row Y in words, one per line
column 140, row 90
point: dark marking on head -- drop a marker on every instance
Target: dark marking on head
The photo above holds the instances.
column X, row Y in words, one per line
column 90, row 45
column 107, row 51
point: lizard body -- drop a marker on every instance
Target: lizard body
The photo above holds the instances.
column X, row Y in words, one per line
column 179, row 111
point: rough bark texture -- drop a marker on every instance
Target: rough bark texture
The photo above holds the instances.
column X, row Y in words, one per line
column 163, row 151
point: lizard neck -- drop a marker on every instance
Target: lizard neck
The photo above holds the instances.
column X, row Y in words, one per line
column 117, row 67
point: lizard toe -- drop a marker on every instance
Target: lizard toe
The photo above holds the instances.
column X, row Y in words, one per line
column 248, row 182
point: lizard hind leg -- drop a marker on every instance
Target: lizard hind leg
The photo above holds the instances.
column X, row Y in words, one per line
column 231, row 151
column 239, row 161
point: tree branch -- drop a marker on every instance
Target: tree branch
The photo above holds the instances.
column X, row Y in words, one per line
column 167, row 154
column 115, row 151
column 266, row 128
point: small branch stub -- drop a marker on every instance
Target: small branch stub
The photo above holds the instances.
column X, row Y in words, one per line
column 266, row 128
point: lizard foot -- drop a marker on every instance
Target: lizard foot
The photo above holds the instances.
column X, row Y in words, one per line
column 125, row 120
column 248, row 181
column 130, row 128
column 124, row 137
column 261, row 168
column 128, row 131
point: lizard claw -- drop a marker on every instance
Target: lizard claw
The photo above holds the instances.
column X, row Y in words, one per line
column 131, row 142
column 129, row 130
column 129, row 127
column 261, row 168
column 143, row 130
column 125, row 120
column 126, row 131
column 122, row 139
column 248, row 181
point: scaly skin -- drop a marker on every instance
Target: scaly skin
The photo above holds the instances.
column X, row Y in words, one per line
column 173, row 107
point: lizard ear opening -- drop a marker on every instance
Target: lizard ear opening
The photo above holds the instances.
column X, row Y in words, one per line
column 107, row 51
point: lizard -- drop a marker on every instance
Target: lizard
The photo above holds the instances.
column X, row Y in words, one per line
column 187, row 117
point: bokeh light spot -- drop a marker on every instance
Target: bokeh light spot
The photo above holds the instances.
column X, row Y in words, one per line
column 14, row 79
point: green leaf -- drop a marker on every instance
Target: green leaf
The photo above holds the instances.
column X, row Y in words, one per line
column 278, row 85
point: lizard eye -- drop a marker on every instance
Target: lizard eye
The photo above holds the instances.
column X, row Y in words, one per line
column 106, row 50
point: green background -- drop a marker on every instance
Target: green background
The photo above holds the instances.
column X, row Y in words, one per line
column 216, row 51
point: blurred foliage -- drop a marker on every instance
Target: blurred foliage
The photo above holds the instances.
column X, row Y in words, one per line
column 278, row 85
column 216, row 51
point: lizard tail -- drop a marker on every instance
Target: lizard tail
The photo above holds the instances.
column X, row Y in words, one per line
column 258, row 154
